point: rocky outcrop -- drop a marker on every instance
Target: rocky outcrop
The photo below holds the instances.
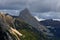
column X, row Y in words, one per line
column 6, row 30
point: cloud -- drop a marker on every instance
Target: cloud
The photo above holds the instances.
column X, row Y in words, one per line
column 39, row 19
column 11, row 12
column 47, row 15
column 33, row 5
column 43, row 8
column 12, row 4
column 46, row 6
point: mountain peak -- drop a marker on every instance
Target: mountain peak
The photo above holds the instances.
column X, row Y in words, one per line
column 25, row 12
column 31, row 20
column 26, row 9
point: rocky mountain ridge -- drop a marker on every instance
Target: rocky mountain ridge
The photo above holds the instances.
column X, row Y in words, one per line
column 12, row 28
column 53, row 25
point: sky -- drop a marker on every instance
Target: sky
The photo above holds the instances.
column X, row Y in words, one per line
column 44, row 9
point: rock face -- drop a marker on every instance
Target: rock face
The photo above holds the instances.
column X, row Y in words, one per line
column 7, row 29
column 27, row 17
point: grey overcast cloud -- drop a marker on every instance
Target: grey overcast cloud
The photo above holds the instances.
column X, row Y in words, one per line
column 47, row 9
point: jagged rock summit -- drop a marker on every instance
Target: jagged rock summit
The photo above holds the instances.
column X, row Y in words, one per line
column 27, row 17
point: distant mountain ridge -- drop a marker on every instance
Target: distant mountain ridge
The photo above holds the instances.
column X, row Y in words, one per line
column 50, row 22
column 54, row 26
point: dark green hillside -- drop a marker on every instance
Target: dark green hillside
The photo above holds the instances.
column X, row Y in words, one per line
column 17, row 29
column 28, row 32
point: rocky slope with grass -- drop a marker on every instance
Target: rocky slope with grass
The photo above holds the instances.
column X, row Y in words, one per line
column 12, row 28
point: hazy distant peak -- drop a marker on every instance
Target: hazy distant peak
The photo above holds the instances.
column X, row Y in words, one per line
column 25, row 12
column 26, row 9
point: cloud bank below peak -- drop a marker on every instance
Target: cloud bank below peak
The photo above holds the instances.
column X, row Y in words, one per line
column 48, row 15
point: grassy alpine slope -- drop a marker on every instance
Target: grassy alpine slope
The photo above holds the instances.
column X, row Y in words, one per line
column 28, row 32
column 17, row 29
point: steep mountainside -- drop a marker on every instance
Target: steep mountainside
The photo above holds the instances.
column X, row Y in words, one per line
column 27, row 17
column 32, row 33
column 17, row 29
